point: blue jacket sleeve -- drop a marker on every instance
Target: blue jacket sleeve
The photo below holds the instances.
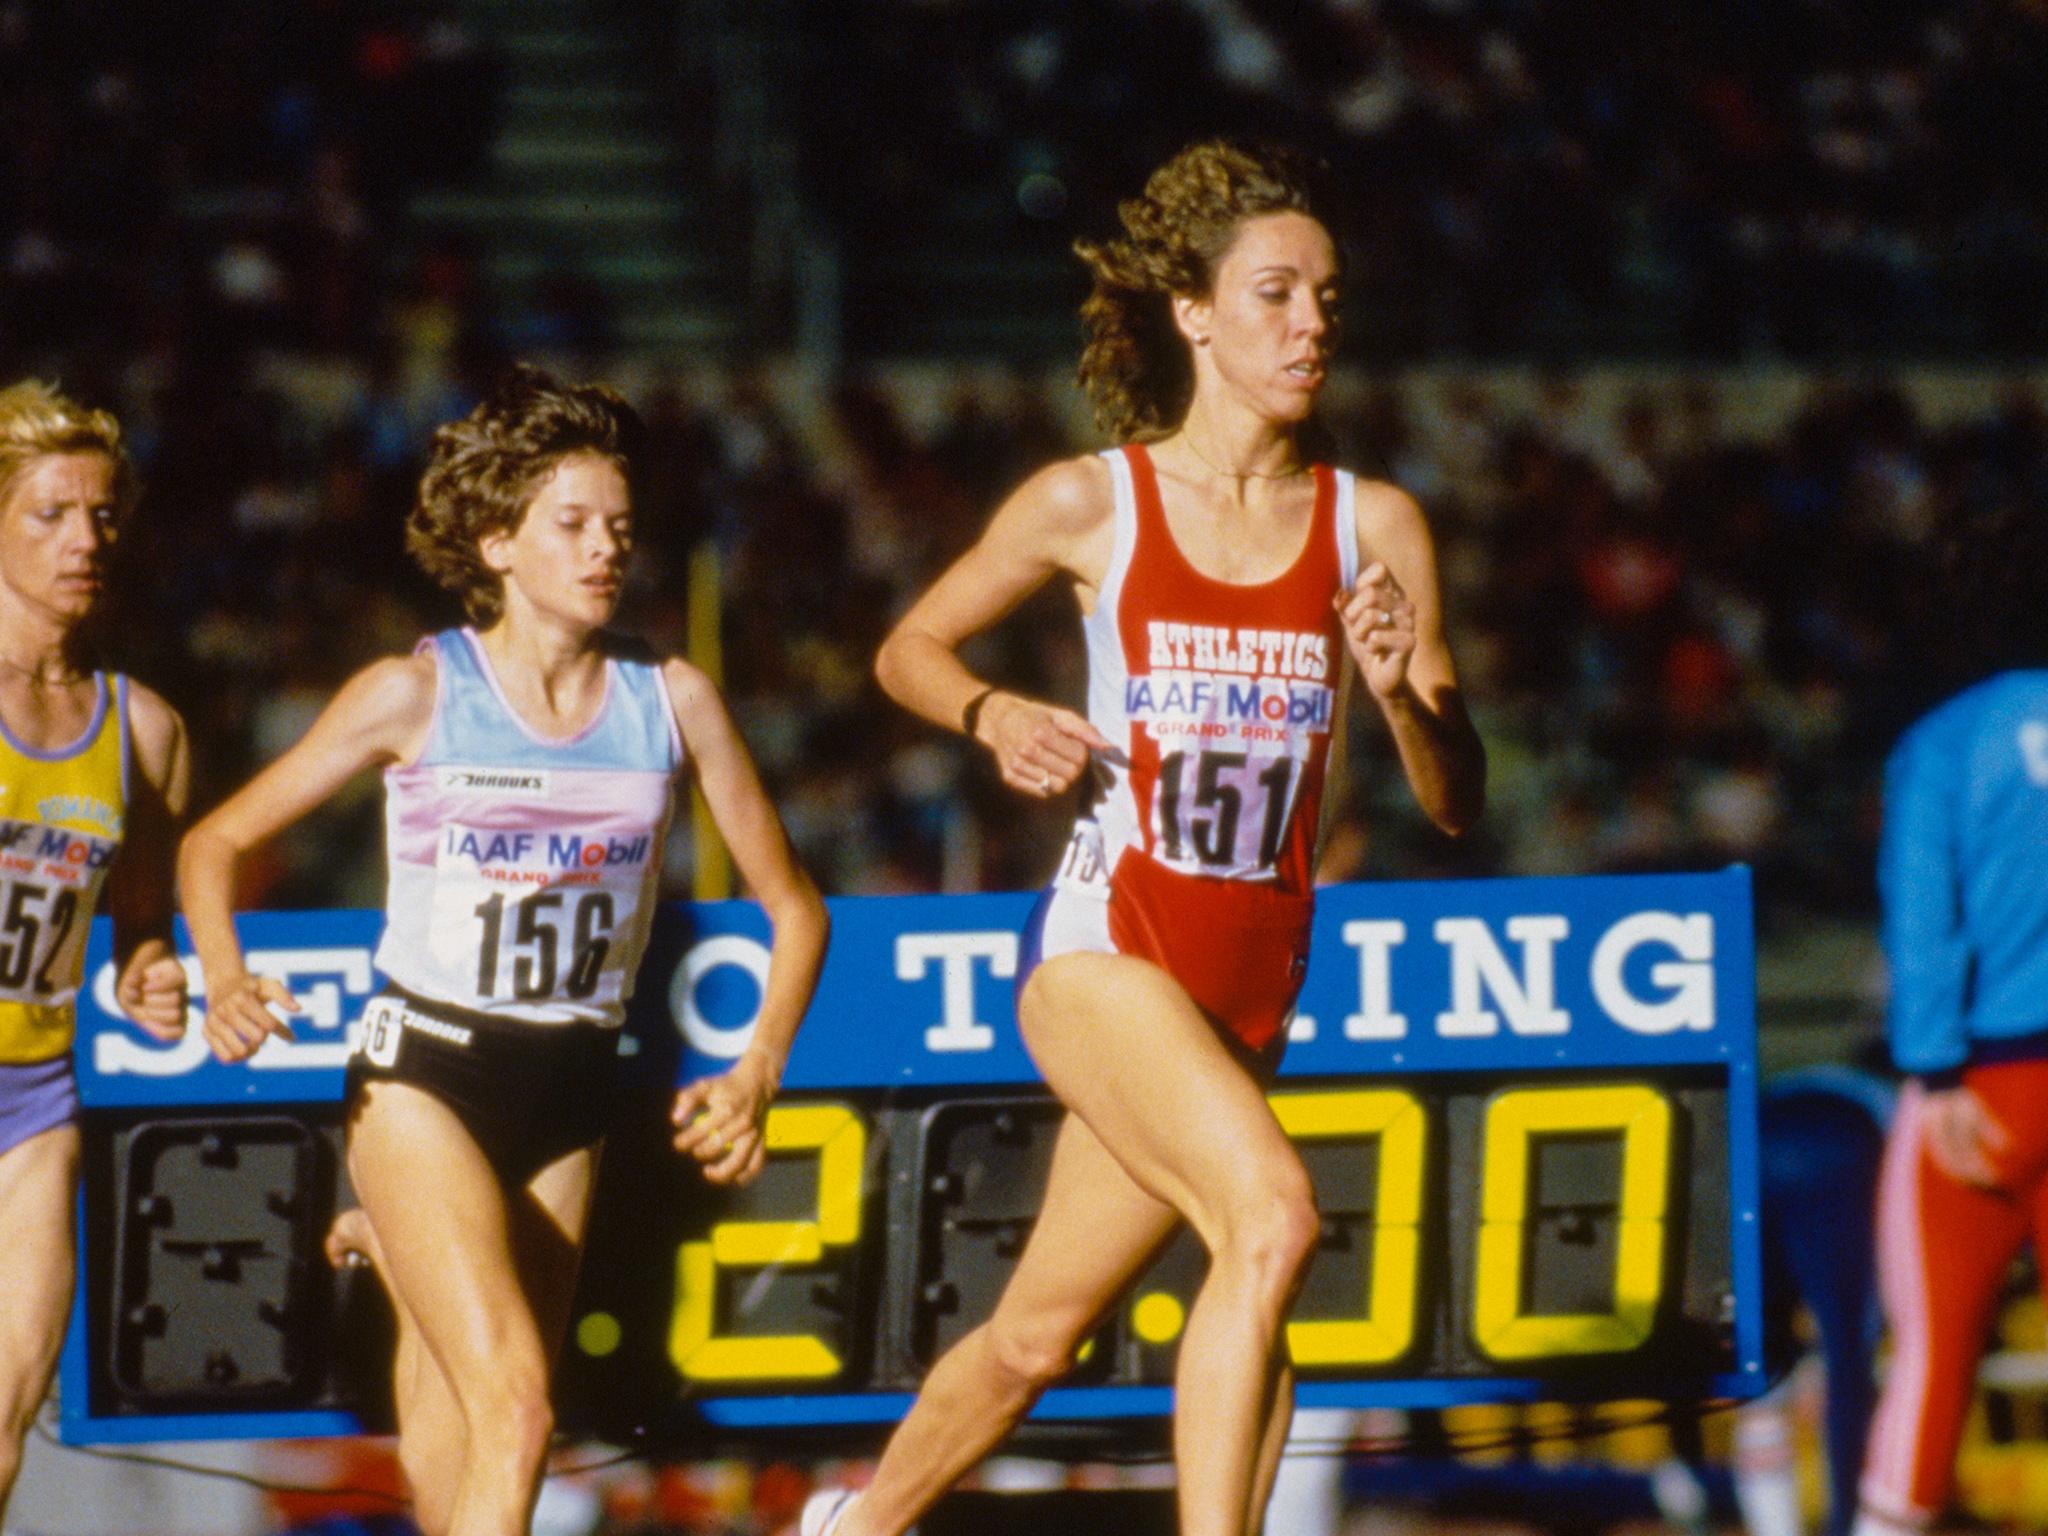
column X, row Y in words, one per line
column 1920, row 884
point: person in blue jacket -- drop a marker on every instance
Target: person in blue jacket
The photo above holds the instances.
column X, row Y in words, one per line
column 1963, row 879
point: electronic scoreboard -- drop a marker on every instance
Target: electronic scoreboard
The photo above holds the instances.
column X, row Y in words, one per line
column 1528, row 1107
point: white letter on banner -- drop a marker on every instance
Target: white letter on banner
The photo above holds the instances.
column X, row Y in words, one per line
column 957, row 1029
column 115, row 1052
column 1690, row 978
column 321, row 1001
column 704, row 957
column 1530, row 1002
column 1375, row 942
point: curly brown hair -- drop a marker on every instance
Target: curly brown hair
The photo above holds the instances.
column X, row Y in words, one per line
column 1135, row 366
column 37, row 420
column 484, row 470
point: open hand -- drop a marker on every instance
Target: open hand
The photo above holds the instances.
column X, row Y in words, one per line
column 1963, row 1138
column 244, row 1013
column 720, row 1122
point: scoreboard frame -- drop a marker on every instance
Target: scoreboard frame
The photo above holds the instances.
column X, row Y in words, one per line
column 1509, row 1092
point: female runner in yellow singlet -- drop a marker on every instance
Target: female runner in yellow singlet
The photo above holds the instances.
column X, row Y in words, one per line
column 93, row 777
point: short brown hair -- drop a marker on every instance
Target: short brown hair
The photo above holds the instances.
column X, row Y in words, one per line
column 1135, row 366
column 484, row 470
column 37, row 420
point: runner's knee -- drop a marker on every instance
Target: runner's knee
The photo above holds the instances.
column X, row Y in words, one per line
column 530, row 1423
column 508, row 1408
column 1033, row 1353
column 1270, row 1233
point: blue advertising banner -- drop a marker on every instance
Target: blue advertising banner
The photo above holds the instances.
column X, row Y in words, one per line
column 1444, row 1031
column 1448, row 976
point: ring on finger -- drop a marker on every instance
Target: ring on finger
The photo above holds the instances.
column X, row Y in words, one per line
column 1044, row 782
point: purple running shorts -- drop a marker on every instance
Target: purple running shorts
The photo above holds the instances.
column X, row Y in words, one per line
column 35, row 1098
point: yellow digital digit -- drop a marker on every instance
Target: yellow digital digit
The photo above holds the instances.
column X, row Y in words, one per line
column 1642, row 1117
column 836, row 1134
column 1394, row 1117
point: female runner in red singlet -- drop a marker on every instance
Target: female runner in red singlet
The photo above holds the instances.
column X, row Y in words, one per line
column 1223, row 580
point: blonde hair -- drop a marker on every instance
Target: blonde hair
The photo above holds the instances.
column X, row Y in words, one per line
column 1135, row 367
column 37, row 420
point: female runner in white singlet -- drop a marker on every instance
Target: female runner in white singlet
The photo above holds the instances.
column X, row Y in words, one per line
column 1223, row 577
column 530, row 765
column 93, row 775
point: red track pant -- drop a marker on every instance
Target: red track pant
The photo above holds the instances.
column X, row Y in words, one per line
column 1943, row 1249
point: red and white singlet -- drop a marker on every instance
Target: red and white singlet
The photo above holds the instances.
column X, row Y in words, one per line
column 1197, row 850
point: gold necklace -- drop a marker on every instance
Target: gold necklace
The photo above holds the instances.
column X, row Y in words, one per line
column 1238, row 474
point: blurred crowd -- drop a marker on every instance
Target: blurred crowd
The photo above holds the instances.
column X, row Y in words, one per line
column 1684, row 645
column 1805, row 176
column 176, row 174
column 1687, row 641
column 1811, row 178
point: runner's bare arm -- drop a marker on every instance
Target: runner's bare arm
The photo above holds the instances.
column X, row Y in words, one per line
column 1406, row 662
column 1060, row 520
column 720, row 1120
column 380, row 716
column 149, row 980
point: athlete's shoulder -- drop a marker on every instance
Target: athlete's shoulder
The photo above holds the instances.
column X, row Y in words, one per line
column 1984, row 716
column 1072, row 495
column 689, row 686
column 156, row 732
column 1391, row 526
column 1384, row 507
column 392, row 689
column 1933, row 748
column 1962, row 713
column 2023, row 691
column 151, row 717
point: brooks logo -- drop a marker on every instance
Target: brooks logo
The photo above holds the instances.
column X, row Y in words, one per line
column 499, row 781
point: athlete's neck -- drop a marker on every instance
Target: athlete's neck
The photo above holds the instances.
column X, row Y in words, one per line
column 1234, row 449
column 39, row 646
column 559, row 662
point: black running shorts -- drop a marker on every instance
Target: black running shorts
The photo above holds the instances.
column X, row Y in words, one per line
column 528, row 1093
